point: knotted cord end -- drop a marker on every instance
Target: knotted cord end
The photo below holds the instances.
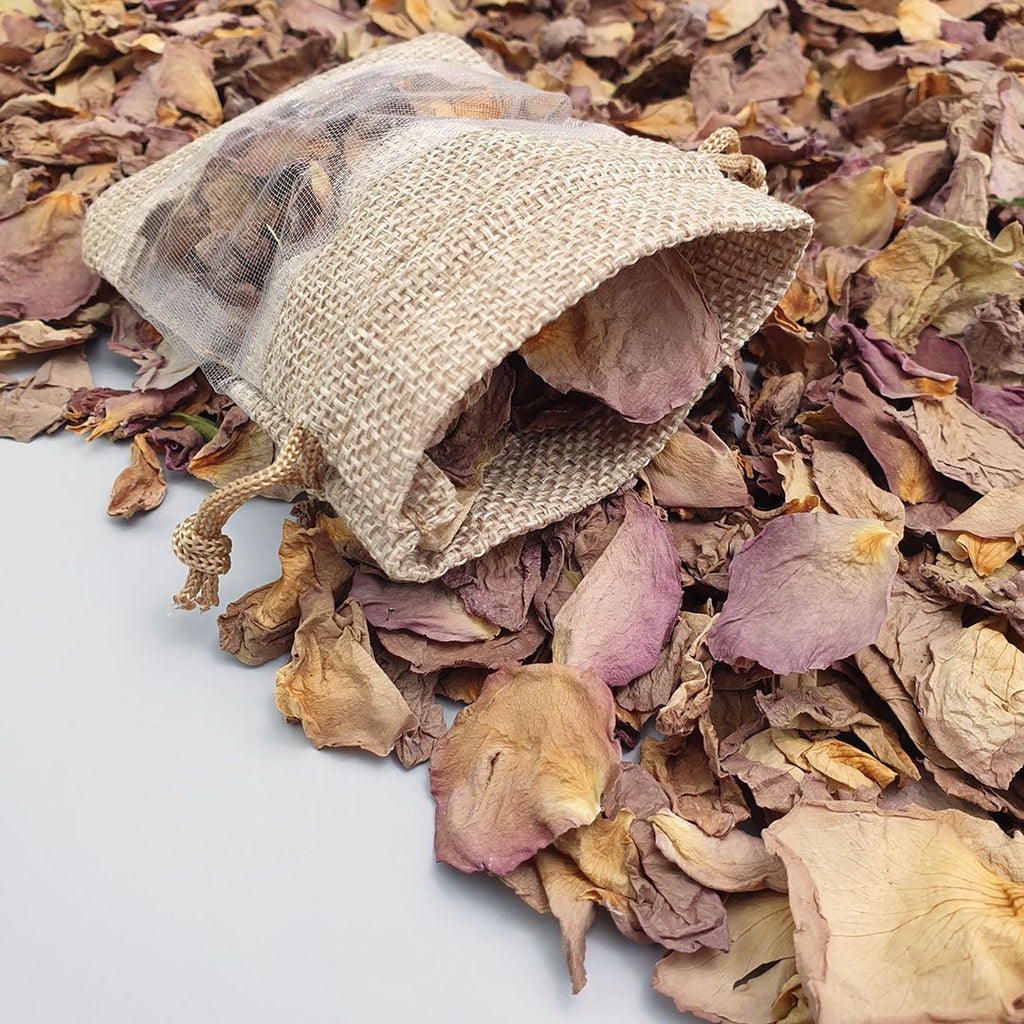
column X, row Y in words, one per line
column 207, row 556
column 199, row 541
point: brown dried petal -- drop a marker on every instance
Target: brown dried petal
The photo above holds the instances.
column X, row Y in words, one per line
column 602, row 850
column 909, row 474
column 425, row 655
column 240, row 447
column 566, row 890
column 141, row 487
column 37, row 402
column 845, row 484
column 333, row 686
column 670, row 907
column 260, row 625
column 856, row 209
column 989, row 533
column 36, row 336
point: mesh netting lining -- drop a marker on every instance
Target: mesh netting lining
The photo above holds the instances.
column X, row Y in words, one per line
column 221, row 241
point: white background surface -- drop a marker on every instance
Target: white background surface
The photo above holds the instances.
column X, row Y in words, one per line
column 172, row 851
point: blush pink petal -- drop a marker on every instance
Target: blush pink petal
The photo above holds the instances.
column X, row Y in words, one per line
column 809, row 589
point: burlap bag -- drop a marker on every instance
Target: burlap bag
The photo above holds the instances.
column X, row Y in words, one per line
column 376, row 240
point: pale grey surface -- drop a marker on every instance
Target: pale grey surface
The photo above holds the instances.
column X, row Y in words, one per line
column 172, row 851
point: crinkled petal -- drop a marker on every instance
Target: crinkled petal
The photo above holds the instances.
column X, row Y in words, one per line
column 429, row 609
column 141, row 486
column 989, row 533
column 972, row 701
column 333, row 686
column 524, row 763
column 913, row 916
column 740, row 985
column 260, row 624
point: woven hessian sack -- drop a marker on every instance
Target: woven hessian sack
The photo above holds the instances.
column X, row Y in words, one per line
column 348, row 304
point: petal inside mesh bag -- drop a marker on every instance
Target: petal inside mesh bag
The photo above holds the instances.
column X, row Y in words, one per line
column 220, row 244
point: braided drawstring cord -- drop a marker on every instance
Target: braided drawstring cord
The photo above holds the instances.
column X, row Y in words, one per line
column 199, row 541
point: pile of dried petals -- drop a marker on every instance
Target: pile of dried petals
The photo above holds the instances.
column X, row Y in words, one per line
column 810, row 605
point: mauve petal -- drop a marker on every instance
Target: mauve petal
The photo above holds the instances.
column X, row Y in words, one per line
column 620, row 617
column 429, row 609
column 809, row 589
column 645, row 342
column 893, row 373
column 1004, row 405
column 499, row 586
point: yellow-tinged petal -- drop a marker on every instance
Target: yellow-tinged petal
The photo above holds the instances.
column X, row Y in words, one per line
column 600, row 850
column 332, row 684
column 528, row 760
column 736, row 862
column 913, row 916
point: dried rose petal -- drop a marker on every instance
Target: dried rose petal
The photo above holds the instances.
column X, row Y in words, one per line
column 37, row 403
column 35, row 336
column 428, row 609
column 908, row 472
column 989, row 533
column 736, row 862
column 740, row 985
column 141, row 487
column 855, row 209
column 963, row 445
column 260, row 625
column 809, row 589
column 845, row 484
column 527, row 761
column 41, row 271
column 333, row 686
column 622, row 613
column 500, row 585
column 645, row 342
column 912, row 916
column 566, row 890
column 240, row 447
column 696, row 470
column 972, row 701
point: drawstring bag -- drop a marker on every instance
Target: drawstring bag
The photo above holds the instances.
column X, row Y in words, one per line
column 348, row 260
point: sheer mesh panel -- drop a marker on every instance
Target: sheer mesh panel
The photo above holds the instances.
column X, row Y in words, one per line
column 222, row 239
